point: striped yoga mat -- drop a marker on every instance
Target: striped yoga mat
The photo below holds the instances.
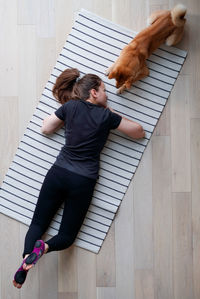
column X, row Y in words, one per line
column 92, row 46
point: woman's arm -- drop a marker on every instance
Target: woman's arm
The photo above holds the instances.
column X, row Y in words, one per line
column 129, row 127
column 51, row 124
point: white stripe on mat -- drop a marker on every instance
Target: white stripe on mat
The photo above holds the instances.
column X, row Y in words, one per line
column 92, row 46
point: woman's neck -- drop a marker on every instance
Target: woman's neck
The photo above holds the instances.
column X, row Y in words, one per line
column 91, row 100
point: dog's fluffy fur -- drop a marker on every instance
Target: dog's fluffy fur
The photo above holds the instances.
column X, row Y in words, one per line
column 164, row 26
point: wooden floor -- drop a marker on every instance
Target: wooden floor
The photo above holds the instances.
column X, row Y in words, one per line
column 153, row 247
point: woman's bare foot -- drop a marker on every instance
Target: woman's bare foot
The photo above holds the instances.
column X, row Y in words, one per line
column 17, row 285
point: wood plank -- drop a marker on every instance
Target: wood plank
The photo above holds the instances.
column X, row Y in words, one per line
column 9, row 134
column 142, row 193
column 48, row 276
column 162, row 217
column 106, row 261
column 10, row 260
column 192, row 66
column 46, row 59
column 124, row 247
column 86, row 262
column 67, row 295
column 26, row 12
column 163, row 126
column 45, row 19
column 195, row 175
column 180, row 135
column 67, row 270
column 144, row 284
column 106, row 293
column 32, row 280
column 182, row 245
column 27, row 75
column 127, row 13
column 9, row 49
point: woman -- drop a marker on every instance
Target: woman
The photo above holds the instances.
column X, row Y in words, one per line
column 72, row 178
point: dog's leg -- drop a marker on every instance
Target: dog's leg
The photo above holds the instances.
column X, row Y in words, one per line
column 121, row 89
column 107, row 72
column 143, row 73
column 127, row 85
column 175, row 37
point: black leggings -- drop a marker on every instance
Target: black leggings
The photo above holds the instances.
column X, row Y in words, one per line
column 60, row 185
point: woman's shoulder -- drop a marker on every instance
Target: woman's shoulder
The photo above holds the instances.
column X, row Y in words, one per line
column 70, row 103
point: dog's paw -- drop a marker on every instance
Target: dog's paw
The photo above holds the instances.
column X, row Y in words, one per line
column 119, row 90
column 107, row 72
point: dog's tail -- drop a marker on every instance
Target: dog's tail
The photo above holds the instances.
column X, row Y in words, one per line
column 178, row 13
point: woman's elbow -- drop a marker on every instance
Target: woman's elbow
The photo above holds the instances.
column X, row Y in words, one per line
column 45, row 131
column 45, row 128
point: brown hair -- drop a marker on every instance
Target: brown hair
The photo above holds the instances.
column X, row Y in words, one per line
column 67, row 86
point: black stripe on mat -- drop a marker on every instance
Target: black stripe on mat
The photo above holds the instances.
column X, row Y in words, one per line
column 86, row 42
column 9, row 209
column 111, row 37
column 88, row 242
column 122, row 153
column 105, row 26
column 22, row 190
column 37, row 149
column 114, row 173
column 107, row 225
column 113, row 85
column 112, row 61
column 125, row 154
column 116, row 182
column 121, row 96
column 126, row 34
column 105, row 66
column 30, row 153
column 17, row 204
column 10, row 177
column 99, row 214
column 107, row 202
column 163, row 65
column 107, row 83
column 126, row 146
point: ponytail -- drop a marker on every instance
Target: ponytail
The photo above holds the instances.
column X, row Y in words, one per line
column 67, row 86
column 63, row 87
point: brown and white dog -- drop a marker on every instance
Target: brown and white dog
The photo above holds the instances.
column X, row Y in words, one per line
column 164, row 26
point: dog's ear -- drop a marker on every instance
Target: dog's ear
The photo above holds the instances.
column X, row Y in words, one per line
column 114, row 74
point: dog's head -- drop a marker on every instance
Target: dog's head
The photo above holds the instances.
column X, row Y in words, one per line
column 128, row 68
column 121, row 75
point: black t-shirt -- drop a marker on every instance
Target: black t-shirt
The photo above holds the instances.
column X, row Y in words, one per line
column 87, row 127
